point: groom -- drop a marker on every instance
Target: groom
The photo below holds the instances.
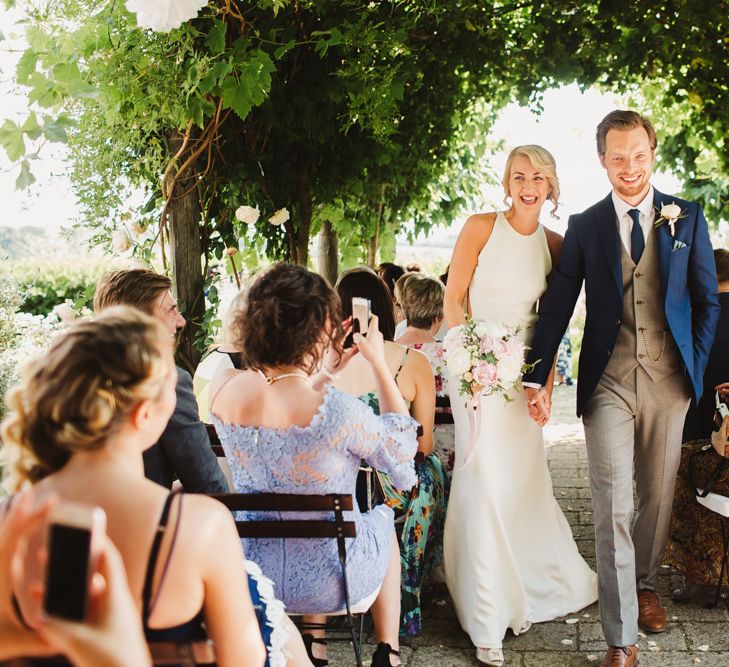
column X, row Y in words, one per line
column 652, row 310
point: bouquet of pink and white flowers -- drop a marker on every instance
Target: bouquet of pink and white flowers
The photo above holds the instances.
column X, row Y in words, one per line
column 487, row 358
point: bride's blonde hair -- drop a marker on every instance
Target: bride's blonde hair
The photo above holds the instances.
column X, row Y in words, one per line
column 543, row 161
column 76, row 395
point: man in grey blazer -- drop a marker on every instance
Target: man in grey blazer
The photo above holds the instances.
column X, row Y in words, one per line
column 183, row 451
column 646, row 261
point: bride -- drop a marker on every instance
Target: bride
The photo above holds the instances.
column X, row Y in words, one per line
column 510, row 558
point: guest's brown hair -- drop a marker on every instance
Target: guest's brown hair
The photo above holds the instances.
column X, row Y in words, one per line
column 422, row 301
column 721, row 258
column 75, row 396
column 133, row 287
column 623, row 120
column 364, row 282
column 288, row 313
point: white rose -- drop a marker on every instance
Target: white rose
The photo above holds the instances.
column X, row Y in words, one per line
column 247, row 214
column 490, row 329
column 508, row 369
column 670, row 211
column 120, row 241
column 65, row 312
column 459, row 361
column 279, row 217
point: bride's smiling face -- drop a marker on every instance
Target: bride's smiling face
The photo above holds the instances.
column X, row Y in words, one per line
column 528, row 187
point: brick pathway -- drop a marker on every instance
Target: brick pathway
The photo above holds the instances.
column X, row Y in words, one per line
column 695, row 636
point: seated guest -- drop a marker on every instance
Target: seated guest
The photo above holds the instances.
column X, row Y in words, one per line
column 222, row 355
column 699, row 418
column 111, row 636
column 390, row 273
column 78, row 425
column 422, row 302
column 183, row 451
column 695, row 544
column 284, row 432
column 401, row 322
column 422, row 507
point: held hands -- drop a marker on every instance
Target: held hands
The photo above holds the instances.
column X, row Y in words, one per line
column 539, row 404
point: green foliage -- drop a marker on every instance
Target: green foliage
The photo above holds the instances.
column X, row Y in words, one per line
column 44, row 285
column 365, row 115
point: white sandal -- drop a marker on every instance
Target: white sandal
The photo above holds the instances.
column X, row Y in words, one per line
column 490, row 656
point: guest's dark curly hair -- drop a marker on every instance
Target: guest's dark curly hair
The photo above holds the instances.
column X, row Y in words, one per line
column 288, row 312
column 365, row 283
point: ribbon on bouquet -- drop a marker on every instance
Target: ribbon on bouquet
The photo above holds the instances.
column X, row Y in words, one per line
column 473, row 408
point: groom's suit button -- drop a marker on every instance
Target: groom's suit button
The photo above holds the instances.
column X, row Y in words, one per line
column 638, row 274
column 639, row 302
column 617, row 321
column 640, row 356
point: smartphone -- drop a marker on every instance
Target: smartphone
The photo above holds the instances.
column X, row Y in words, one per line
column 361, row 313
column 74, row 542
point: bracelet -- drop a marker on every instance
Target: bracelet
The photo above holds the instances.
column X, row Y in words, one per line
column 332, row 377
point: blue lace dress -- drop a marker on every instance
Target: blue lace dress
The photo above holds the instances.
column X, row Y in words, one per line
column 323, row 457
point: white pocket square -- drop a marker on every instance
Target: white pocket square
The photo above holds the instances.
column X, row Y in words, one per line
column 677, row 245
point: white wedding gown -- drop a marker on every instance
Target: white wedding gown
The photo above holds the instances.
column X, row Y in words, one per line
column 510, row 558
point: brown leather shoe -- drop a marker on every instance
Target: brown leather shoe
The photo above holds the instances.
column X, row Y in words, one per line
column 621, row 656
column 651, row 615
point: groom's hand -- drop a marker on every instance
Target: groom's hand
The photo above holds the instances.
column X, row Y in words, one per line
column 539, row 404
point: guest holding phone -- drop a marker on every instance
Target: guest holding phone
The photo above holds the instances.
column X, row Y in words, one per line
column 285, row 432
column 421, row 507
column 112, row 635
column 78, row 424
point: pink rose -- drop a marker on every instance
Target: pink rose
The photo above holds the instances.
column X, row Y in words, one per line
column 515, row 348
column 491, row 344
column 485, row 374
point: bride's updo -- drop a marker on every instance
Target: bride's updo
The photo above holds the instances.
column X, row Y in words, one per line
column 543, row 161
column 74, row 397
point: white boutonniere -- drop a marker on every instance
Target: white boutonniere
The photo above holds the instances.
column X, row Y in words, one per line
column 669, row 213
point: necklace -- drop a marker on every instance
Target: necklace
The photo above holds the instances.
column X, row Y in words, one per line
column 270, row 379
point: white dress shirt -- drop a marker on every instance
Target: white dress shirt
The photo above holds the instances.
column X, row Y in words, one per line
column 625, row 222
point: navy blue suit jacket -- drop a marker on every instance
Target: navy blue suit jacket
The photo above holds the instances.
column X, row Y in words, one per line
column 591, row 253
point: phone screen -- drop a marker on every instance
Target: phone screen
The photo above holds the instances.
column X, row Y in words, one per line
column 67, row 572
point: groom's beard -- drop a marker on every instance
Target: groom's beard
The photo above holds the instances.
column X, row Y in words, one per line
column 628, row 190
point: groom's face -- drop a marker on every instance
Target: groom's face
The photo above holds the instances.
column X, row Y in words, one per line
column 628, row 160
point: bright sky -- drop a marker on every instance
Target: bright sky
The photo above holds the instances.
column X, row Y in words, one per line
column 566, row 128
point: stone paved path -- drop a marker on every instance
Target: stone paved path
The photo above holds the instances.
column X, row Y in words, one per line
column 695, row 636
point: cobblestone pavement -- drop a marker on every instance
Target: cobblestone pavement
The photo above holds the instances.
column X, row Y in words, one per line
column 695, row 636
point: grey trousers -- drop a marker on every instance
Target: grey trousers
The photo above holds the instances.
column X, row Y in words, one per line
column 632, row 425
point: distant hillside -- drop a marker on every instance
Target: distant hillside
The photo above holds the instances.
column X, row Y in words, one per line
column 23, row 242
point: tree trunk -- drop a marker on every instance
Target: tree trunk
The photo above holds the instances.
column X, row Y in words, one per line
column 329, row 253
column 185, row 248
column 301, row 256
column 374, row 241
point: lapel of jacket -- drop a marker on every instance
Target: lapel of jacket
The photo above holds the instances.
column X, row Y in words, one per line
column 664, row 241
column 608, row 229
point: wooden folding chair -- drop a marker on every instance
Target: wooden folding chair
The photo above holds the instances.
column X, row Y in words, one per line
column 338, row 529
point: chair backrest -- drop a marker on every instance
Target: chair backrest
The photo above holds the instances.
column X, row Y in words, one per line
column 443, row 403
column 290, row 502
column 215, row 440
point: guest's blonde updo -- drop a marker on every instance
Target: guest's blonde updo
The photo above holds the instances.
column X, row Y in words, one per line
column 75, row 396
column 542, row 160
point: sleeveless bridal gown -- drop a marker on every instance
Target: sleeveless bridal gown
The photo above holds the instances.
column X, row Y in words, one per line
column 510, row 558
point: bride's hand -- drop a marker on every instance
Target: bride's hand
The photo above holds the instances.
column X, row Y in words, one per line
column 539, row 404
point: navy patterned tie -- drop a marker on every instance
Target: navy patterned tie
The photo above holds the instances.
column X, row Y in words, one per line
column 637, row 242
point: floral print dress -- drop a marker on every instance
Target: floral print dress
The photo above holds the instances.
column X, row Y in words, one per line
column 421, row 511
column 444, row 437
